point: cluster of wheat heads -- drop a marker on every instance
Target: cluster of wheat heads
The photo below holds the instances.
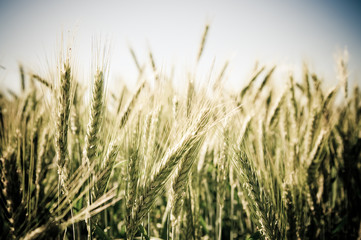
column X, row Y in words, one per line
column 161, row 163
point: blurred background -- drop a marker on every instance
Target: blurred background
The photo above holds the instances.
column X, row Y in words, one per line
column 286, row 33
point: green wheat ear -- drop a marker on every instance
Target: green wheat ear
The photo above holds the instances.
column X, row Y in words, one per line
column 64, row 100
column 261, row 206
column 161, row 176
column 95, row 119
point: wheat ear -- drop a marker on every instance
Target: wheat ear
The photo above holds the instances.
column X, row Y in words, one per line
column 203, row 42
column 261, row 206
column 11, row 190
column 169, row 161
column 91, row 140
column 63, row 123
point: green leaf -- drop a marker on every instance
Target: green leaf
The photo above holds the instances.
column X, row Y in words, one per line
column 340, row 226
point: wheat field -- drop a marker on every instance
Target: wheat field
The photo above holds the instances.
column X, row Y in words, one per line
column 156, row 162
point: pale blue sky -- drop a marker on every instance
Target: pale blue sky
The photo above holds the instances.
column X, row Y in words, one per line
column 280, row 31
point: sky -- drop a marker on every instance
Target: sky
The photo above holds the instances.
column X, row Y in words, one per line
column 286, row 33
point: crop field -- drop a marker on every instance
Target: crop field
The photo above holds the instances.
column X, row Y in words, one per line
column 279, row 159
